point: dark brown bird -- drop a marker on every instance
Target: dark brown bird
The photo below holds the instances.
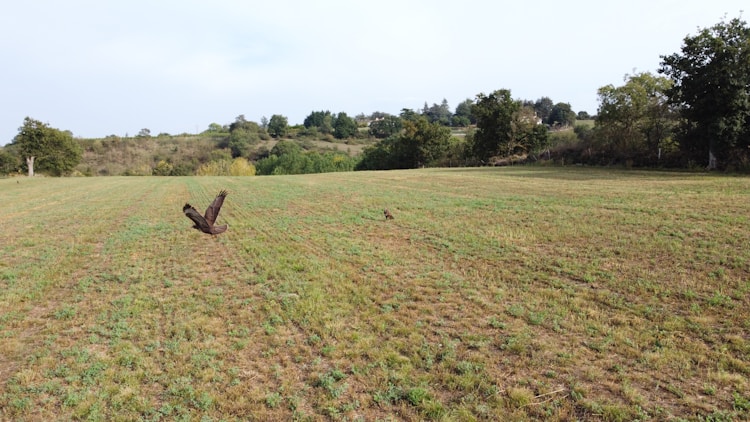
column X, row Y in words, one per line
column 206, row 223
column 388, row 215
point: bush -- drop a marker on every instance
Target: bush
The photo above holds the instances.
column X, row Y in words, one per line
column 241, row 167
column 237, row 167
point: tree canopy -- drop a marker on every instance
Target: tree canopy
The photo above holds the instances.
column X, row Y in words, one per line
column 494, row 114
column 278, row 125
column 635, row 120
column 543, row 108
column 323, row 120
column 505, row 127
column 463, row 115
column 562, row 115
column 418, row 144
column 711, row 76
column 344, row 126
column 46, row 149
column 243, row 134
column 385, row 126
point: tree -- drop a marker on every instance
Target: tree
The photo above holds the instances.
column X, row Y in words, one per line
column 636, row 120
column 494, row 114
column 711, row 87
column 9, row 162
column 419, row 144
column 543, row 108
column 286, row 148
column 344, row 126
column 243, row 134
column 318, row 119
column 241, row 140
column 240, row 122
column 278, row 125
column 50, row 149
column 408, row 114
column 379, row 156
column 438, row 113
column 214, row 128
column 144, row 133
column 526, row 133
column 561, row 115
column 426, row 141
column 385, row 126
column 583, row 115
column 463, row 115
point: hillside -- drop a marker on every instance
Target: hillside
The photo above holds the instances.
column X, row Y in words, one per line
column 116, row 156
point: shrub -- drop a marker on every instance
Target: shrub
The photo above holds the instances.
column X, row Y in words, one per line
column 237, row 167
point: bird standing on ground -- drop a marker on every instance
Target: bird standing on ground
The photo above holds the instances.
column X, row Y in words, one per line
column 206, row 223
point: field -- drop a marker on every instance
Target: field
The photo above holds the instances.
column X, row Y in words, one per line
column 496, row 294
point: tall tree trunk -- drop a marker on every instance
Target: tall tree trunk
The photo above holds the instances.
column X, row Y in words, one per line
column 711, row 160
column 30, row 165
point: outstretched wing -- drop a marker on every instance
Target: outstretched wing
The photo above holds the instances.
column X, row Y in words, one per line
column 200, row 222
column 213, row 210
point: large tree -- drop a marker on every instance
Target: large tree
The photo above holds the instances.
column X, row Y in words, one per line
column 243, row 134
column 527, row 133
column 385, row 126
column 344, row 126
column 9, row 162
column 543, row 108
column 635, row 121
column 494, row 114
column 323, row 120
column 47, row 148
column 418, row 144
column 463, row 115
column 278, row 125
column 562, row 114
column 425, row 141
column 438, row 113
column 711, row 78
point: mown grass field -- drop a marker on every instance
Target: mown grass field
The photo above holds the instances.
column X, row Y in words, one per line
column 495, row 294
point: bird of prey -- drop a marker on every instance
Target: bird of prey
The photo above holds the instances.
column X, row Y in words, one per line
column 388, row 215
column 206, row 223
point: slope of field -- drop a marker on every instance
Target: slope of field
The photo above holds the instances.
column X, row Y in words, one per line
column 495, row 294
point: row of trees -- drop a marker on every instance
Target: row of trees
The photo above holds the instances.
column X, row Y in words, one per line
column 504, row 127
column 697, row 110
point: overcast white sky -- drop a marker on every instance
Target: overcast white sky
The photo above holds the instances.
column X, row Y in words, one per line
column 99, row 67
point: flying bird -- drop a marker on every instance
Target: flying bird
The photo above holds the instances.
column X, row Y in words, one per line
column 388, row 215
column 206, row 223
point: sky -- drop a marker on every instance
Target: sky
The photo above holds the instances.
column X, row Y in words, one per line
column 99, row 68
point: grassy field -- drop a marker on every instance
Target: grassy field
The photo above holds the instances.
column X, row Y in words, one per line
column 495, row 294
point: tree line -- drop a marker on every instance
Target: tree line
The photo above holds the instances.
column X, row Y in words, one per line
column 695, row 112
